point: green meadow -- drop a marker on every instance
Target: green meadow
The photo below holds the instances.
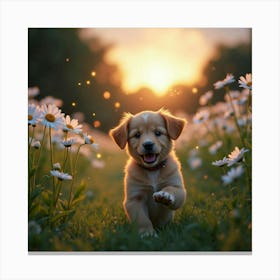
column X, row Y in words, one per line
column 214, row 218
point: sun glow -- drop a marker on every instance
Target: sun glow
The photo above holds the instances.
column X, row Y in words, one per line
column 157, row 58
column 156, row 75
column 161, row 59
column 157, row 71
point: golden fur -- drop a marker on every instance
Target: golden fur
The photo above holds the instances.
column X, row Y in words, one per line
column 154, row 186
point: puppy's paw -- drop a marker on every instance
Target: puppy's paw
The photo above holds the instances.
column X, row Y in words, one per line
column 147, row 233
column 164, row 198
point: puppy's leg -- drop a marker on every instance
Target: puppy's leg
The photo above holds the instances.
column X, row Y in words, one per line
column 137, row 211
column 171, row 196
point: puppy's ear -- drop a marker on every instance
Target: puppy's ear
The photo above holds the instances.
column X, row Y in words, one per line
column 120, row 133
column 174, row 125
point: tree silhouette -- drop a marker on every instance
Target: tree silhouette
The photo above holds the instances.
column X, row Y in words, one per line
column 61, row 65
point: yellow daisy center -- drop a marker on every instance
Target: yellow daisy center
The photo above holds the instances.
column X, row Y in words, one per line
column 30, row 117
column 69, row 126
column 50, row 117
column 249, row 84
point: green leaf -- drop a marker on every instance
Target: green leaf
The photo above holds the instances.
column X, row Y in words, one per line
column 63, row 204
column 45, row 181
column 60, row 215
column 37, row 190
column 47, row 197
column 80, row 198
column 79, row 191
column 33, row 209
column 32, row 172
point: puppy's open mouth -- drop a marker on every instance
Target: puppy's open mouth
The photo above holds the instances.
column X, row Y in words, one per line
column 149, row 158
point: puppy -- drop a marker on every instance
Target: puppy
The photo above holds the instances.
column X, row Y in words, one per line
column 153, row 184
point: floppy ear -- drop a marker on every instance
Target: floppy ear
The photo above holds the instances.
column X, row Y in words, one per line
column 120, row 133
column 174, row 125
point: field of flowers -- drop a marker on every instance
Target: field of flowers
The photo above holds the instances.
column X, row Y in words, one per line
column 75, row 188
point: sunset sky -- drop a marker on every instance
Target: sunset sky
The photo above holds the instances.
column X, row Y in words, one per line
column 159, row 58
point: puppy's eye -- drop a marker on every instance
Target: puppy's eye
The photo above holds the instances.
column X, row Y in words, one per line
column 137, row 135
column 158, row 133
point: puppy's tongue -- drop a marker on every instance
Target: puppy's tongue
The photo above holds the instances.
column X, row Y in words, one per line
column 149, row 158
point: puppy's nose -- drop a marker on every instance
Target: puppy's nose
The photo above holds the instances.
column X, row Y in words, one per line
column 148, row 146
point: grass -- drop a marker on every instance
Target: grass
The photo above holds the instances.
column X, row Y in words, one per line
column 214, row 217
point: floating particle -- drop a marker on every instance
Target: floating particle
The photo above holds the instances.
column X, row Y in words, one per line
column 96, row 124
column 88, row 82
column 93, row 73
column 93, row 114
column 106, row 95
column 194, row 90
column 79, row 83
column 205, row 177
column 73, row 104
column 99, row 156
column 197, row 147
column 67, row 59
column 117, row 105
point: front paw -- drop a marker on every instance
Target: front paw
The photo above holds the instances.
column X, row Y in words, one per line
column 147, row 232
column 164, row 198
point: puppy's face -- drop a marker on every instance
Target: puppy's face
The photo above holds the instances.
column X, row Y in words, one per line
column 148, row 135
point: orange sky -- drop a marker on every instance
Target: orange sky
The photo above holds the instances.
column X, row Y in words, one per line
column 159, row 58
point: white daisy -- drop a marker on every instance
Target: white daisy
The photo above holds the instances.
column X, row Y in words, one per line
column 52, row 116
column 57, row 166
column 215, row 147
column 36, row 144
column 34, row 114
column 33, row 91
column 204, row 99
column 72, row 125
column 228, row 80
column 60, row 175
column 232, row 175
column 246, row 82
column 236, row 155
column 51, row 100
column 220, row 163
column 242, row 121
column 99, row 164
column 194, row 162
column 69, row 142
column 201, row 116
column 88, row 139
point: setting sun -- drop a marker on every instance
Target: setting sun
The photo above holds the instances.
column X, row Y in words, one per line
column 159, row 62
column 159, row 73
column 158, row 76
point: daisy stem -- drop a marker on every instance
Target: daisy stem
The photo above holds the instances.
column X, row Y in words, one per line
column 30, row 165
column 65, row 154
column 248, row 176
column 51, row 157
column 73, row 172
column 235, row 117
column 51, row 150
column 39, row 155
column 65, row 159
column 249, row 111
column 30, row 140
column 58, row 187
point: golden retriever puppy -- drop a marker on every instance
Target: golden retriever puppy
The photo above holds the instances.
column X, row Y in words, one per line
column 153, row 184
